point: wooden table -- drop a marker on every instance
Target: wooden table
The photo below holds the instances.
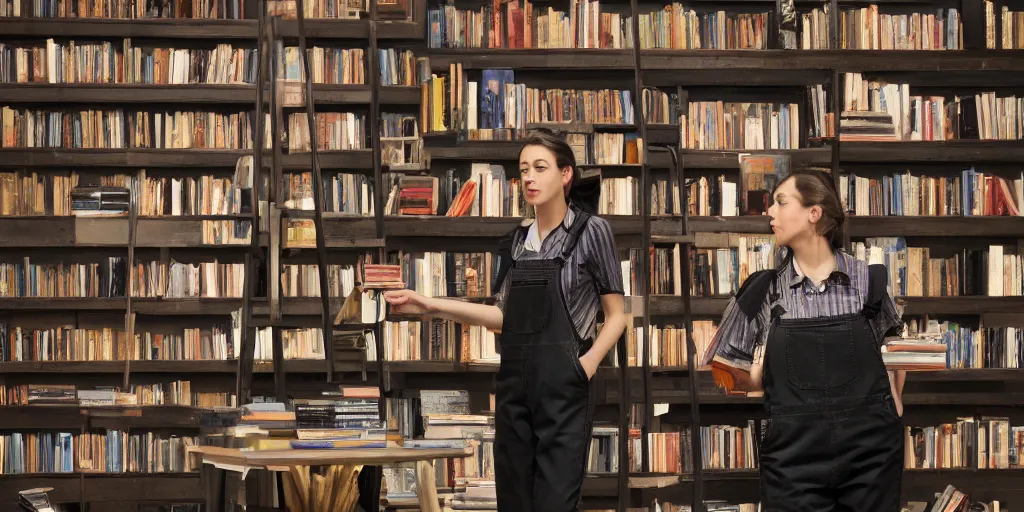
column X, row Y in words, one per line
column 335, row 490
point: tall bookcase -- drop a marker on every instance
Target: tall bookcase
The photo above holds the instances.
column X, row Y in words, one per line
column 769, row 74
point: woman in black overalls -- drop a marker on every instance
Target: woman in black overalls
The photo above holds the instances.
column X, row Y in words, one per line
column 557, row 274
column 834, row 438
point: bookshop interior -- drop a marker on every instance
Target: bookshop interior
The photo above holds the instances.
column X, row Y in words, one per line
column 171, row 258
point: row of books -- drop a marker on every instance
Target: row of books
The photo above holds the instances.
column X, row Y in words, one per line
column 899, row 115
column 972, row 193
column 73, row 62
column 498, row 108
column 187, row 9
column 123, row 129
column 677, row 26
column 114, row 451
column 173, row 393
column 107, row 63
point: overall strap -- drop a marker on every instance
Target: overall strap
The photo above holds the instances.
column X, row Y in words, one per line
column 575, row 233
column 878, row 278
column 760, row 285
column 505, row 244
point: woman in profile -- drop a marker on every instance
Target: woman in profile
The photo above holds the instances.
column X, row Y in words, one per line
column 560, row 269
column 808, row 334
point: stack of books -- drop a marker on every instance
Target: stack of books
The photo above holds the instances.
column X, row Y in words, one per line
column 100, row 201
column 378, row 276
column 915, row 354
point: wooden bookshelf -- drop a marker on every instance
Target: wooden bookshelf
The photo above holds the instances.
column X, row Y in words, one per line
column 975, row 68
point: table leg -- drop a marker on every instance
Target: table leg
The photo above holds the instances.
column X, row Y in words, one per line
column 426, row 487
column 336, row 490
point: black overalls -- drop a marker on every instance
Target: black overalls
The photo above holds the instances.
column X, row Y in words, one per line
column 834, row 440
column 543, row 396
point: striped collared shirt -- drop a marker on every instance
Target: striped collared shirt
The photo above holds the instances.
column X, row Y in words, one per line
column 740, row 341
column 593, row 268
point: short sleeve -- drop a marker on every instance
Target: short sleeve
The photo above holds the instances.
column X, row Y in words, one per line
column 602, row 258
column 736, row 339
column 884, row 318
column 888, row 322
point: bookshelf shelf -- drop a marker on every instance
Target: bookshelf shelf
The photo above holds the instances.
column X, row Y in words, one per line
column 494, row 227
column 355, row 160
column 19, row 367
column 846, row 60
column 342, row 94
column 126, row 93
column 65, row 486
column 545, row 58
column 717, row 224
column 296, row 366
column 734, row 77
column 710, row 61
column 1009, row 151
column 146, row 158
column 63, row 304
column 63, row 231
column 350, row 29
column 1006, row 226
column 201, row 29
column 705, row 159
column 236, row 94
column 166, row 487
column 134, row 28
column 474, row 150
column 185, row 306
column 670, row 305
column 606, row 485
column 716, row 407
column 962, row 305
column 968, row 374
column 228, row 366
column 729, row 484
column 40, row 417
column 728, row 475
column 53, row 417
column 400, row 30
column 870, row 226
column 399, row 95
column 409, row 225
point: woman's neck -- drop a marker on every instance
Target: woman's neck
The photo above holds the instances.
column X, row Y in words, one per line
column 550, row 215
column 815, row 256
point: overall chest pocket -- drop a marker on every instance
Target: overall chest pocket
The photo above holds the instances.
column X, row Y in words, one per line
column 821, row 358
column 528, row 306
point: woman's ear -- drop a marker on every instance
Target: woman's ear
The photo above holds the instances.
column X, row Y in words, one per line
column 566, row 179
column 814, row 214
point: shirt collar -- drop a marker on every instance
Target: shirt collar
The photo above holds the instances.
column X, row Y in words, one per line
column 533, row 241
column 840, row 276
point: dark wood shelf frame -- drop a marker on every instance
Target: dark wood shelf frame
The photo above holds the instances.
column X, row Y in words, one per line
column 167, row 28
column 235, row 94
column 698, row 68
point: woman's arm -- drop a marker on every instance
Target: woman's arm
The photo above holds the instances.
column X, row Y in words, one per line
column 602, row 262
column 611, row 331
column 408, row 302
column 469, row 313
column 896, row 380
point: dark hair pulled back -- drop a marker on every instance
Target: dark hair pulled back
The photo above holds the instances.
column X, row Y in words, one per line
column 584, row 194
column 817, row 188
